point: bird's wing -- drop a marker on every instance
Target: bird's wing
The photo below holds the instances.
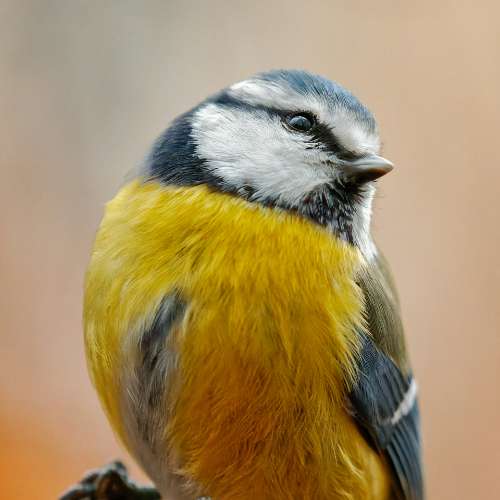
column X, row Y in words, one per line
column 384, row 400
column 155, row 365
column 384, row 404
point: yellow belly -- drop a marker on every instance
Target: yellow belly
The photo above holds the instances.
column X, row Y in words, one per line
column 266, row 350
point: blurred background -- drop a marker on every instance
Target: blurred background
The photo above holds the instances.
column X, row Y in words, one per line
column 86, row 86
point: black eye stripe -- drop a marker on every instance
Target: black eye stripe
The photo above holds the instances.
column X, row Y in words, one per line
column 324, row 135
column 319, row 133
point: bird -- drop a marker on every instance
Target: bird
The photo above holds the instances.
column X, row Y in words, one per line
column 242, row 328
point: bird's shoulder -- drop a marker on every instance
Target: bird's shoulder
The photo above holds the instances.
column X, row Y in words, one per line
column 382, row 309
column 384, row 399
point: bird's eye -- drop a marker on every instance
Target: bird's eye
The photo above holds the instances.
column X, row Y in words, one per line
column 301, row 122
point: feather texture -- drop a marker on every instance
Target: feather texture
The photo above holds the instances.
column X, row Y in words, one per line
column 385, row 406
column 265, row 349
column 384, row 397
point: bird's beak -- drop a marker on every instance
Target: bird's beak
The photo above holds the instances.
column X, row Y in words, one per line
column 366, row 169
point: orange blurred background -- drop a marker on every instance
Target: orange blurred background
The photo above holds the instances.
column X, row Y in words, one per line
column 86, row 86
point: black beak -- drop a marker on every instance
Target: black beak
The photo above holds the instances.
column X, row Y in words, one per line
column 366, row 169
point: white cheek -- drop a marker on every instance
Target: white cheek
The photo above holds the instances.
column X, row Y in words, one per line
column 252, row 149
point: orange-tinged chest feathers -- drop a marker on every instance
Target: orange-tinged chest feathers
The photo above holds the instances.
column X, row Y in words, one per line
column 266, row 351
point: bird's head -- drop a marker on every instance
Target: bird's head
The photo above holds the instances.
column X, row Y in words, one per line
column 285, row 139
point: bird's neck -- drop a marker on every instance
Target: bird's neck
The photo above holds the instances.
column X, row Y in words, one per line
column 350, row 219
column 361, row 228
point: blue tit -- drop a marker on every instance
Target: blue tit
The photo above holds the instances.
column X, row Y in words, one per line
column 242, row 329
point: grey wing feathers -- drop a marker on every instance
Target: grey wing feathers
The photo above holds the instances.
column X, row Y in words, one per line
column 384, row 401
column 154, row 366
column 385, row 407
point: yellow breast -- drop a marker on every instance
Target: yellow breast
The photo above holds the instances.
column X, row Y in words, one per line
column 266, row 351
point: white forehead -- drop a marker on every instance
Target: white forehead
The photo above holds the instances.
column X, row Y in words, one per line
column 353, row 135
